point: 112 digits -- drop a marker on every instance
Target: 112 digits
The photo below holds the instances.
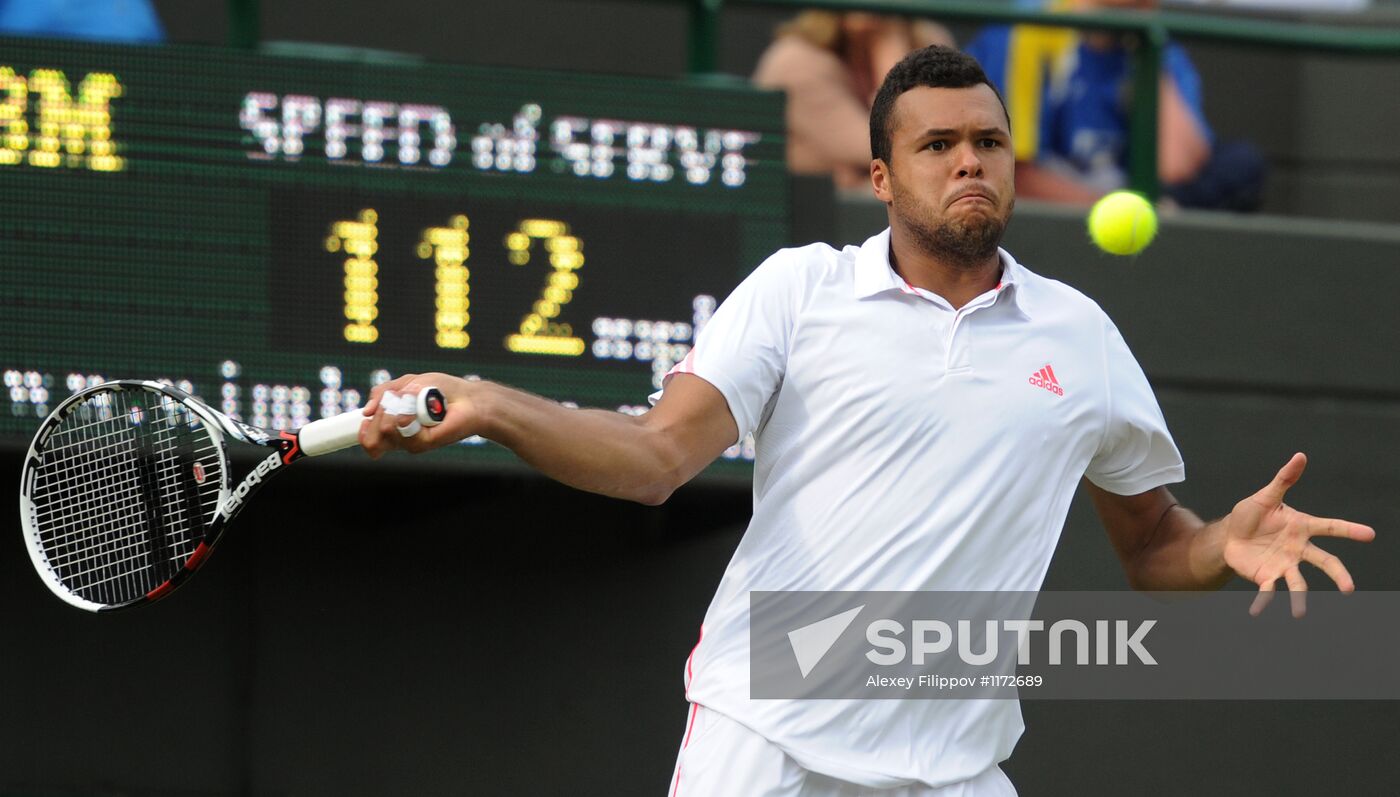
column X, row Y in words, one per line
column 540, row 331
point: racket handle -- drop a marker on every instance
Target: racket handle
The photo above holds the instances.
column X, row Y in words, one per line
column 343, row 431
column 331, row 434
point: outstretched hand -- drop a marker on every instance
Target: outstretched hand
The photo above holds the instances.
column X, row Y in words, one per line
column 1266, row 539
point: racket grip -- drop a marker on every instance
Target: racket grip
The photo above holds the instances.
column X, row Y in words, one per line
column 343, row 431
column 331, row 434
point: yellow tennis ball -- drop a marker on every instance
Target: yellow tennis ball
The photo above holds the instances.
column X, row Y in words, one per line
column 1122, row 223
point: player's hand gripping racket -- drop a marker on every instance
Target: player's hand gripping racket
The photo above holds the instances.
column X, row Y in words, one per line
column 127, row 486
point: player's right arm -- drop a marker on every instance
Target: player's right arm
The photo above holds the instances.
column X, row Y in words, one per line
column 639, row 458
column 735, row 368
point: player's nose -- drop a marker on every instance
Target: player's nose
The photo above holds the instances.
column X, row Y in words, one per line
column 969, row 161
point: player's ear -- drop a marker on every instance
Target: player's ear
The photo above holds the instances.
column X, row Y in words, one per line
column 880, row 180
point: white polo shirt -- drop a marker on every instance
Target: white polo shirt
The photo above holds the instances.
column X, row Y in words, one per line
column 903, row 445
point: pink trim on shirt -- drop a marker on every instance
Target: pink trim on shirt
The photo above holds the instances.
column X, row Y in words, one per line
column 690, row 663
column 694, row 710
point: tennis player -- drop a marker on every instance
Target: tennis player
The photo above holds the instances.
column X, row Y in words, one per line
column 924, row 408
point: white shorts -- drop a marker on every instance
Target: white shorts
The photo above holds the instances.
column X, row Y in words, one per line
column 721, row 758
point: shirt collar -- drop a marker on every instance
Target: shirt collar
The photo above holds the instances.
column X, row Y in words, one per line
column 874, row 275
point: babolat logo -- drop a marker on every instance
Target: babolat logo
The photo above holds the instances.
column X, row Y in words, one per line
column 254, row 479
column 252, row 432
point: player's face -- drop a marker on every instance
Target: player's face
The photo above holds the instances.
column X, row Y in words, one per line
column 950, row 178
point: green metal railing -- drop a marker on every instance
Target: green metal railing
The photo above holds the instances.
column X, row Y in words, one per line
column 1152, row 30
column 243, row 24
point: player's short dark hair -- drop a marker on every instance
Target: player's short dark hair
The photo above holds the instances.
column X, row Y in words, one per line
column 935, row 67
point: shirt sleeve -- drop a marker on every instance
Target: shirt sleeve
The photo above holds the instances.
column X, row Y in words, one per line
column 743, row 349
column 1137, row 452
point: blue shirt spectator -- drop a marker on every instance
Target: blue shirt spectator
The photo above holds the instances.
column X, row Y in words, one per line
column 1069, row 96
column 1083, row 107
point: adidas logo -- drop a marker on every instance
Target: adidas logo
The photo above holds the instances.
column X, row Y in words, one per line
column 1045, row 378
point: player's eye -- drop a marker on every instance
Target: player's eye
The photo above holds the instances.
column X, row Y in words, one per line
column 938, row 146
column 990, row 143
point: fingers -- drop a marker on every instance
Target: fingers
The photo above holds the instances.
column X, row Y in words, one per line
column 1287, row 476
column 392, row 385
column 1330, row 565
column 386, row 431
column 404, row 406
column 377, row 434
column 408, row 383
column 1297, row 594
column 1297, row 591
column 401, row 426
column 1263, row 599
column 392, row 421
column 1345, row 529
column 1298, row 586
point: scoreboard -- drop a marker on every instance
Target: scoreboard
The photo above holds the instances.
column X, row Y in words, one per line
column 278, row 234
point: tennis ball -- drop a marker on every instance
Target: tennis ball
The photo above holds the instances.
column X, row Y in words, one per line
column 1122, row 223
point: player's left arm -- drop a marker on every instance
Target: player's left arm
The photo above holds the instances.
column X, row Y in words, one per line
column 1164, row 546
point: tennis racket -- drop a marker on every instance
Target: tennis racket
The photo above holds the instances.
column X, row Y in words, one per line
column 127, row 486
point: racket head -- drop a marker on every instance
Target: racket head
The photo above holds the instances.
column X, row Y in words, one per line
column 120, row 493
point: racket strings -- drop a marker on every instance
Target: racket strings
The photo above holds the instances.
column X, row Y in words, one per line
column 83, row 466
column 115, row 449
column 93, row 495
column 117, row 501
column 122, row 482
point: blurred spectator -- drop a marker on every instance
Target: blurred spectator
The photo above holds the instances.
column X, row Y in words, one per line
column 132, row 21
column 1070, row 94
column 831, row 65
